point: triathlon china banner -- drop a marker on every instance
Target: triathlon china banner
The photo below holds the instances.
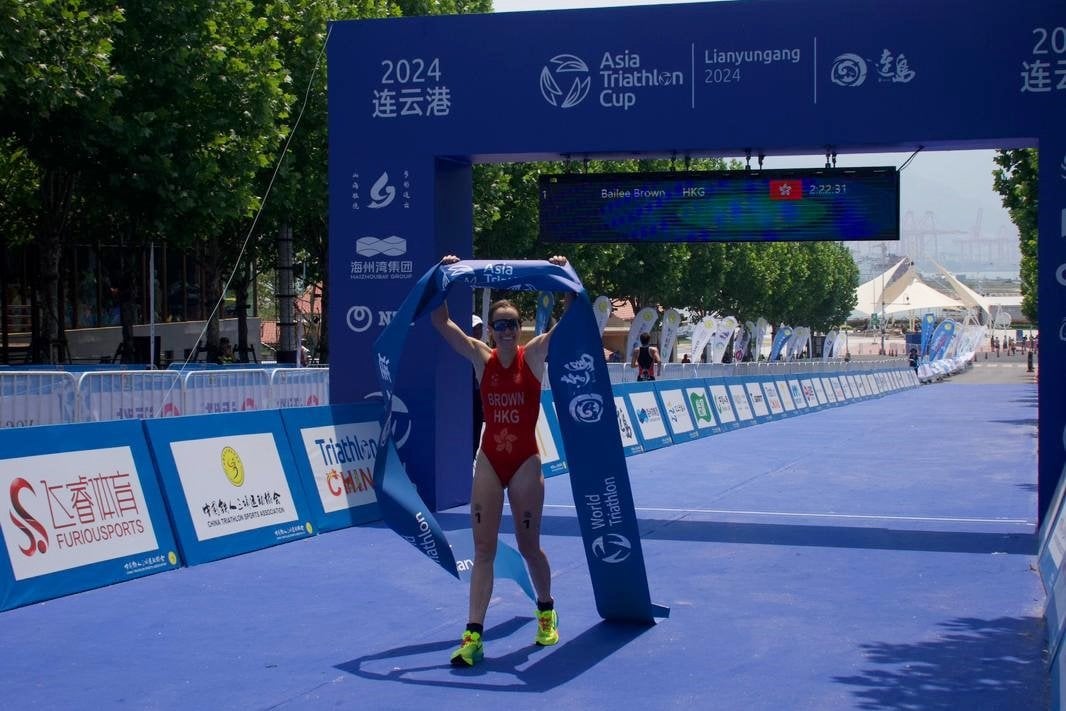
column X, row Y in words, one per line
column 668, row 333
column 585, row 405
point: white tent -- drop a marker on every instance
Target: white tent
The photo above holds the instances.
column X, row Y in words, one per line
column 918, row 296
column 968, row 296
column 869, row 294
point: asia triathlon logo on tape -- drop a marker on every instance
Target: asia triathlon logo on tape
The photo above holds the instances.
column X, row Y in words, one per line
column 852, row 70
column 565, row 81
column 587, row 408
column 382, row 194
column 621, row 79
column 232, row 466
column 454, row 272
column 31, row 528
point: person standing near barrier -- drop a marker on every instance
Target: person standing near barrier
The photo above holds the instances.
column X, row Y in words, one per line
column 509, row 376
column 646, row 359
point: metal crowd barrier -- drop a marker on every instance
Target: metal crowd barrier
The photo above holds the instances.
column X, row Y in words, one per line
column 29, row 398
column 49, row 397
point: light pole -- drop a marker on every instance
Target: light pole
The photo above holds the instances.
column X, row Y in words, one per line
column 882, row 324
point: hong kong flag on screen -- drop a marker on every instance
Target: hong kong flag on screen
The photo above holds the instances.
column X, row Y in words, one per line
column 786, row 189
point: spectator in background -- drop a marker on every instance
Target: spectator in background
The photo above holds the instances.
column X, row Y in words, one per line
column 646, row 359
column 686, row 358
column 225, row 350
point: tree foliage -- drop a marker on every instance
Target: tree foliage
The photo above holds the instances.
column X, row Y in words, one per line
column 1016, row 179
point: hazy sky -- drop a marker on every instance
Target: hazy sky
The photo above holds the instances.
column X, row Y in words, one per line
column 955, row 185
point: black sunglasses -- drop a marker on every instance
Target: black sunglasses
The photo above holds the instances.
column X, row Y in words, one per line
column 502, row 324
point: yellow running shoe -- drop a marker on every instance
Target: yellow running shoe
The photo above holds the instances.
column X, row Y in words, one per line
column 470, row 652
column 547, row 628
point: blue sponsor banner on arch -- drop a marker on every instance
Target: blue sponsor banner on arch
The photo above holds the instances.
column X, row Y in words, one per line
column 334, row 448
column 230, row 482
column 82, row 510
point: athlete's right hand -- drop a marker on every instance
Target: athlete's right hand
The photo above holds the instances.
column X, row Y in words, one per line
column 450, row 259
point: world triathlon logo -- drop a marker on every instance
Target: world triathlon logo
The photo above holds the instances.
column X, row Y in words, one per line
column 849, row 70
column 612, row 548
column 565, row 81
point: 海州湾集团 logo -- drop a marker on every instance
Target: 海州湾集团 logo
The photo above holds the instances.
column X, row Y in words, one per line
column 565, row 81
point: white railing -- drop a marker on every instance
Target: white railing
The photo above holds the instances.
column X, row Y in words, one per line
column 49, row 397
column 29, row 398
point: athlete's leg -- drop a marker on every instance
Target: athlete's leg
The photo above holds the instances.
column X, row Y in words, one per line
column 486, row 509
column 526, row 494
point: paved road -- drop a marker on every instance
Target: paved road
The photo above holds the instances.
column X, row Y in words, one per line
column 1005, row 369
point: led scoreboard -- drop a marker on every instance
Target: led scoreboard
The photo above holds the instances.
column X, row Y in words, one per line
column 798, row 205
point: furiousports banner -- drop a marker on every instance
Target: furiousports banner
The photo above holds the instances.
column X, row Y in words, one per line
column 585, row 405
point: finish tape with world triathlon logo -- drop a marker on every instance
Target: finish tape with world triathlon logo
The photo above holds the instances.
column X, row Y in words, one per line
column 588, row 424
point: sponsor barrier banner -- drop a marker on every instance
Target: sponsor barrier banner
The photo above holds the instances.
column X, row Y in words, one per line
column 739, row 395
column 578, row 376
column 88, row 515
column 811, row 393
column 230, row 482
column 648, row 416
column 699, row 403
column 549, row 438
column 722, row 404
column 773, row 399
column 785, row 394
column 334, row 448
column 757, row 400
column 679, row 418
column 627, row 428
column 825, row 389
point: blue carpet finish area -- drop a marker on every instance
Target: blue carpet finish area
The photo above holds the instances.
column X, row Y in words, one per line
column 876, row 556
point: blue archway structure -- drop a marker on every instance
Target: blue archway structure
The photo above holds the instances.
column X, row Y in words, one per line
column 414, row 102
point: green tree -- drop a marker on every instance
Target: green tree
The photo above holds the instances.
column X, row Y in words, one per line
column 57, row 89
column 1016, row 179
